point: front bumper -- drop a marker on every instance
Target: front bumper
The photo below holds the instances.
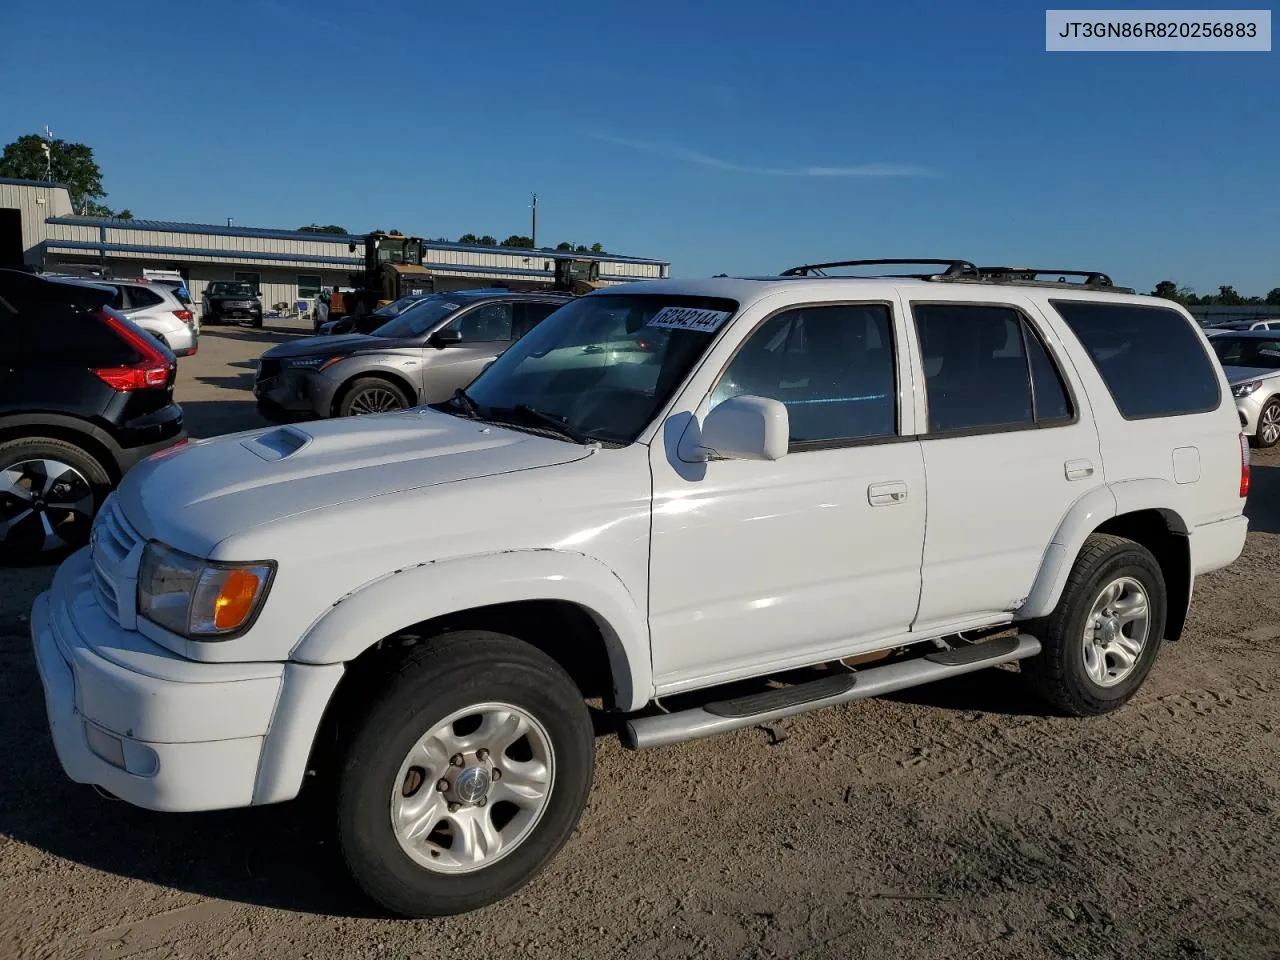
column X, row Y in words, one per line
column 160, row 731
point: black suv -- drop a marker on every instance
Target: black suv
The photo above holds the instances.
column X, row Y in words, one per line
column 84, row 395
column 231, row 301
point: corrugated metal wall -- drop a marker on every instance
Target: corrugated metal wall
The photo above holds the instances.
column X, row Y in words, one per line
column 36, row 203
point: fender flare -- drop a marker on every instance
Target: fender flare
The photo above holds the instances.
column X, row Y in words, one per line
column 381, row 607
column 1084, row 517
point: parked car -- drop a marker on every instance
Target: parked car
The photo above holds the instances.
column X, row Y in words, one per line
column 84, row 395
column 157, row 309
column 1222, row 326
column 420, row 356
column 369, row 322
column 1251, row 359
column 231, row 301
column 418, row 606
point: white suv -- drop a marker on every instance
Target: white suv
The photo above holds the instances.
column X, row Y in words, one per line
column 159, row 309
column 771, row 478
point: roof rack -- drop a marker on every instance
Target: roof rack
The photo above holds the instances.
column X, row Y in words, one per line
column 964, row 270
column 954, row 268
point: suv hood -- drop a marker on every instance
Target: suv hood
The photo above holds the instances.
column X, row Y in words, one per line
column 1239, row 375
column 334, row 345
column 192, row 497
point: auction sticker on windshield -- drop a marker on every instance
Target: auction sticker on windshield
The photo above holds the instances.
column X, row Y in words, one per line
column 689, row 318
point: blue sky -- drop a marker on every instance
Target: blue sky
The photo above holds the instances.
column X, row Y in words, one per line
column 740, row 137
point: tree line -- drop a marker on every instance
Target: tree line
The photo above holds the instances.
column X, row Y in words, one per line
column 1226, row 296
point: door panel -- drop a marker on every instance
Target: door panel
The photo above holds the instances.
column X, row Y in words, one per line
column 1007, row 452
column 486, row 332
column 756, row 564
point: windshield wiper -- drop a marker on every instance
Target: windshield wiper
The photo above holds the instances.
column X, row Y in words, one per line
column 524, row 413
column 462, row 400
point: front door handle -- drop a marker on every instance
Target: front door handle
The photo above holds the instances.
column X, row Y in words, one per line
column 887, row 494
column 1078, row 469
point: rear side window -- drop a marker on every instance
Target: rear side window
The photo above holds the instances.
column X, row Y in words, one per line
column 139, row 297
column 532, row 313
column 1149, row 357
column 986, row 368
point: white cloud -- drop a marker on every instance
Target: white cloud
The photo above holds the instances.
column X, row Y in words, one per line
column 677, row 152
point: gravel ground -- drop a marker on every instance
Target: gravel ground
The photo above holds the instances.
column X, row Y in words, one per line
column 953, row 820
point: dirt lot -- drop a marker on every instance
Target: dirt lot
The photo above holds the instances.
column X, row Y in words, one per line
column 954, row 820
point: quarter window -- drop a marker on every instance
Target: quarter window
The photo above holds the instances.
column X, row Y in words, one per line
column 986, row 368
column 832, row 367
column 1149, row 357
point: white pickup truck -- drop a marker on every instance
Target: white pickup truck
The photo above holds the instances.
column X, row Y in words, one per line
column 882, row 480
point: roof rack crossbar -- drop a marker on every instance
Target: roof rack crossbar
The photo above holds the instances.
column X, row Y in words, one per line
column 1093, row 278
column 954, row 268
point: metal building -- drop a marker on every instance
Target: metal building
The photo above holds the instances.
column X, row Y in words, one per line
column 38, row 227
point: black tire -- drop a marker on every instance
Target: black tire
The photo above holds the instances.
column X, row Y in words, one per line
column 441, row 676
column 1271, row 409
column 1057, row 674
column 367, row 392
column 23, row 543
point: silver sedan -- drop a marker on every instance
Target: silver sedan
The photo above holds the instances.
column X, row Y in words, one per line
column 1251, row 360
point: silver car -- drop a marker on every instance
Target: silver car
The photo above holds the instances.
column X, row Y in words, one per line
column 1251, row 359
column 157, row 309
column 420, row 356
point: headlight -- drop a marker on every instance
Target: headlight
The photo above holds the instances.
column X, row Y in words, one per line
column 200, row 598
column 1244, row 389
column 308, row 363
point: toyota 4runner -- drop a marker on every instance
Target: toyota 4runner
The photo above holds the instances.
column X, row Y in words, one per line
column 700, row 505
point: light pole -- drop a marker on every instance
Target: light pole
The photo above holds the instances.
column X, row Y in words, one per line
column 534, row 232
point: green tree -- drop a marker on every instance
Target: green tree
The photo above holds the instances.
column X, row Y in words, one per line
column 1228, row 297
column 1166, row 289
column 564, row 245
column 581, row 248
column 69, row 163
column 1273, row 298
column 316, row 228
column 516, row 240
column 469, row 238
column 597, row 247
column 486, row 241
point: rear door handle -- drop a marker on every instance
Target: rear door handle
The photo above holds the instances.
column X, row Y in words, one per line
column 887, row 494
column 1078, row 469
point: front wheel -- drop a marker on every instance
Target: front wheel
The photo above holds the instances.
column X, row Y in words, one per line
column 1268, row 434
column 1101, row 640
column 50, row 491
column 372, row 395
column 466, row 778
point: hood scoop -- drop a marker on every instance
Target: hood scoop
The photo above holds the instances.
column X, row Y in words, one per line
column 278, row 444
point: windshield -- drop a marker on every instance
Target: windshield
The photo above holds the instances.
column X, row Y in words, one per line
column 396, row 308
column 604, row 364
column 1247, row 351
column 223, row 288
column 417, row 319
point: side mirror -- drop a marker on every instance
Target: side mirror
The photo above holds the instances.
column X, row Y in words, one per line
column 746, row 428
column 442, row 338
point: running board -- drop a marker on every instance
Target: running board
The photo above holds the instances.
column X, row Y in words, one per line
column 723, row 715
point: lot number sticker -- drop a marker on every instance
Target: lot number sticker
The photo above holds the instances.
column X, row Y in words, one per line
column 688, row 318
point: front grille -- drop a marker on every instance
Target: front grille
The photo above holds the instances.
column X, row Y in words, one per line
column 116, row 551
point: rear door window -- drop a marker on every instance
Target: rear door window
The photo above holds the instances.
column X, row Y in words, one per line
column 1149, row 357
column 141, row 297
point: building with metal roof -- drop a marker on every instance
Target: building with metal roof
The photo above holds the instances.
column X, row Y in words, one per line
column 39, row 228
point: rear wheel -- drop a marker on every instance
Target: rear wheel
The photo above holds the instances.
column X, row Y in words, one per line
column 466, row 778
column 50, row 491
column 1268, row 425
column 372, row 395
column 1101, row 640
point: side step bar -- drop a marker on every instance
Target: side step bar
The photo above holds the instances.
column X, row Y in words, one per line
column 723, row 715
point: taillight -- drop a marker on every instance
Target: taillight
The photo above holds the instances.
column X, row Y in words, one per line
column 186, row 316
column 151, row 371
column 1244, row 465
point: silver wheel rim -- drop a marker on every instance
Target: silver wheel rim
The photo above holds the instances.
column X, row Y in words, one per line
column 1269, row 428
column 45, row 505
column 375, row 400
column 463, row 800
column 1115, row 633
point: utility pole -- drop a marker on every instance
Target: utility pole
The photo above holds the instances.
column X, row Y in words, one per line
column 534, row 208
column 46, row 147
